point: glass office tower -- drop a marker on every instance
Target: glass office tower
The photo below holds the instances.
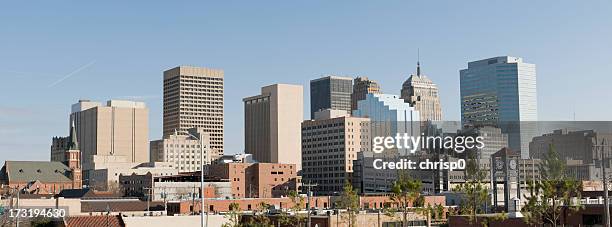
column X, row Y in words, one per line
column 501, row 92
column 330, row 92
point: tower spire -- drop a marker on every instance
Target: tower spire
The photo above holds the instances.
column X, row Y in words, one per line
column 418, row 62
column 74, row 142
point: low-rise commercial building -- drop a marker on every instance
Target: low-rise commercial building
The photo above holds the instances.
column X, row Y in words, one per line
column 184, row 151
column 39, row 177
column 257, row 180
column 184, row 186
column 107, row 179
column 316, row 202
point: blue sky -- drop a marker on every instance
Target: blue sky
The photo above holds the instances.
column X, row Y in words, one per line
column 54, row 53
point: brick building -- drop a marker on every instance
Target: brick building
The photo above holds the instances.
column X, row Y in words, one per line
column 39, row 177
column 257, row 180
column 183, row 186
column 330, row 144
column 316, row 202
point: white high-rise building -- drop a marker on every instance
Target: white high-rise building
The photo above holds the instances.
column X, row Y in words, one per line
column 501, row 92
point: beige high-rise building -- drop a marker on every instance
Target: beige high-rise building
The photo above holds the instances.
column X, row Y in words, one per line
column 272, row 131
column 362, row 86
column 118, row 130
column 422, row 94
column 182, row 151
column 330, row 144
column 193, row 98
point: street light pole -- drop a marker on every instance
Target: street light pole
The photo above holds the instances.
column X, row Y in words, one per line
column 605, row 184
column 201, row 180
column 201, row 139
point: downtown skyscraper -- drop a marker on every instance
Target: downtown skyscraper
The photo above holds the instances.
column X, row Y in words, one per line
column 272, row 124
column 501, row 92
column 111, row 133
column 362, row 86
column 330, row 92
column 422, row 94
column 193, row 98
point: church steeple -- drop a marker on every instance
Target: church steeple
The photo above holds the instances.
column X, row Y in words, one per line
column 74, row 143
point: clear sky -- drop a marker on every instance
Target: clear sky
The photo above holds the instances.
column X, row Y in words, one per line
column 53, row 53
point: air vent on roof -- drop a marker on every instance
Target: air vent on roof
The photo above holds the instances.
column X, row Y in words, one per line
column 21, row 170
column 38, row 171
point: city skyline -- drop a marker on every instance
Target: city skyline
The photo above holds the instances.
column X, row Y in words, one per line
column 88, row 65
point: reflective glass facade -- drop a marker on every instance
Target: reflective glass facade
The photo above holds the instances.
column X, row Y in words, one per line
column 501, row 91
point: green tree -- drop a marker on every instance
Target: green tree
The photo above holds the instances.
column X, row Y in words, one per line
column 549, row 196
column 474, row 190
column 260, row 216
column 233, row 216
column 405, row 192
column 292, row 216
column 349, row 200
column 439, row 211
column 42, row 222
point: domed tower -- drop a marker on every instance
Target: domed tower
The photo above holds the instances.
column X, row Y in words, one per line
column 422, row 94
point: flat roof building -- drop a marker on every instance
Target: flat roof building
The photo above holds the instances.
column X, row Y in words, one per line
column 257, row 180
column 193, row 98
column 117, row 130
column 330, row 144
column 184, row 151
column 330, row 92
column 362, row 86
column 272, row 124
column 501, row 92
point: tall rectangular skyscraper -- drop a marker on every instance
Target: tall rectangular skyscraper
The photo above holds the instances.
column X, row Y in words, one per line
column 272, row 124
column 330, row 92
column 501, row 91
column 193, row 98
column 115, row 132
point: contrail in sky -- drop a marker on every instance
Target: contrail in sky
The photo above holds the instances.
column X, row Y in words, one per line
column 72, row 73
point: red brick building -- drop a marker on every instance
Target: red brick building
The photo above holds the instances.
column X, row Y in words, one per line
column 317, row 202
column 257, row 180
column 38, row 177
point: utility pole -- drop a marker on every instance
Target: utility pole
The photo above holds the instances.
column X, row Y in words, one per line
column 193, row 201
column 308, row 185
column 165, row 203
column 149, row 194
column 605, row 183
column 18, row 191
column 108, row 211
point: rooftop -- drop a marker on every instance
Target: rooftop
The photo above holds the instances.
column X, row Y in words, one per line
column 29, row 171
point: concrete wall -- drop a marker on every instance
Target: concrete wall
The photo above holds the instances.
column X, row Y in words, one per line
column 73, row 205
column 165, row 221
